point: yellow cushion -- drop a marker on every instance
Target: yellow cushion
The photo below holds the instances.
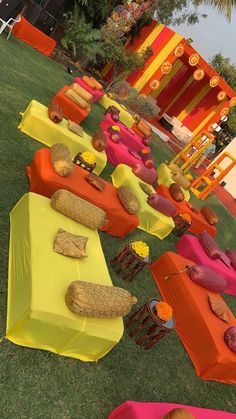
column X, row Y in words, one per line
column 82, row 92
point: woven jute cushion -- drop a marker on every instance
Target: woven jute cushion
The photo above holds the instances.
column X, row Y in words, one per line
column 95, row 300
column 219, row 307
column 128, row 200
column 71, row 94
column 61, row 159
column 78, row 209
column 145, row 188
column 82, row 92
column 181, row 180
column 75, row 128
column 69, row 244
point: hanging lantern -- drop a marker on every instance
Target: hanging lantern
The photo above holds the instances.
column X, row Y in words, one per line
column 199, row 74
column 232, row 102
column 194, row 59
column 224, row 111
column 221, row 95
column 214, row 81
column 154, row 85
column 166, row 67
column 179, row 50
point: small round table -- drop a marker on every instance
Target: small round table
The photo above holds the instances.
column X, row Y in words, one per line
column 181, row 225
column 129, row 263
column 147, row 328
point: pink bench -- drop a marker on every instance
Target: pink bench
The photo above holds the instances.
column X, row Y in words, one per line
column 191, row 248
column 128, row 136
column 97, row 94
column 137, row 410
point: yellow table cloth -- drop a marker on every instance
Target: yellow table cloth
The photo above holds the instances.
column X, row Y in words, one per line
column 165, row 178
column 125, row 116
column 150, row 220
column 36, row 123
column 37, row 316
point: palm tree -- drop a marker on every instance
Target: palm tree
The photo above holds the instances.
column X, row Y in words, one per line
column 225, row 7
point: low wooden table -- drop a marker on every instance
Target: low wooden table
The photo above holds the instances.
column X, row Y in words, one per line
column 147, row 327
column 129, row 263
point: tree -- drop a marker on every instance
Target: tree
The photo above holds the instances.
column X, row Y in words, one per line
column 225, row 7
column 227, row 70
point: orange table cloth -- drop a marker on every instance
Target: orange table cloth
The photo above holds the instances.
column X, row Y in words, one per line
column 34, row 37
column 137, row 131
column 199, row 223
column 44, row 181
column 70, row 109
column 200, row 330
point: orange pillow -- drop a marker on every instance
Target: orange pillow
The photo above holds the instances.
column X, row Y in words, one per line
column 89, row 82
column 144, row 128
column 97, row 84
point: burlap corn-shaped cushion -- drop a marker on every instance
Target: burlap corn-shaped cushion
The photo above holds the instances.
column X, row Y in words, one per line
column 82, row 92
column 94, row 300
column 61, row 159
column 181, row 180
column 69, row 244
column 76, row 99
column 75, row 128
column 128, row 200
column 145, row 188
column 78, row 209
column 179, row 413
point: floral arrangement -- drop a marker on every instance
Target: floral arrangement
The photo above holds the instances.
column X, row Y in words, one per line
column 164, row 311
column 187, row 217
column 115, row 128
column 88, row 157
column 141, row 249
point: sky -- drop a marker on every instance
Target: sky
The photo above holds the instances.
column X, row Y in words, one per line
column 212, row 34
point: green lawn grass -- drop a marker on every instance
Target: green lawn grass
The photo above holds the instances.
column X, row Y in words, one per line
column 38, row 384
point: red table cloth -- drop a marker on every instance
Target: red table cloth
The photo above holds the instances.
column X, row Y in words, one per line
column 138, row 410
column 191, row 248
column 44, row 181
column 200, row 330
column 128, row 136
column 69, row 108
column 199, row 223
column 27, row 33
column 97, row 94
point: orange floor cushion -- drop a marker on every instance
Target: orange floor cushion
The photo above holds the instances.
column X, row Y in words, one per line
column 70, row 109
column 44, row 181
column 199, row 223
column 200, row 330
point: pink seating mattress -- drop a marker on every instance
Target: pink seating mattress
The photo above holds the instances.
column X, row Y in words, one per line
column 191, row 248
column 97, row 94
column 118, row 153
column 137, row 410
column 128, row 136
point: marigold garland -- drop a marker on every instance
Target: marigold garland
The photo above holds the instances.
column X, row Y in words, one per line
column 88, row 157
column 141, row 249
column 164, row 311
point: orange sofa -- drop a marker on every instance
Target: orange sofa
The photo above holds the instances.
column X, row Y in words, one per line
column 200, row 330
column 44, row 181
column 199, row 223
column 70, row 109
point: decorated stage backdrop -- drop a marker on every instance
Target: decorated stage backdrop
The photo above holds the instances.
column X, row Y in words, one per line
column 182, row 82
